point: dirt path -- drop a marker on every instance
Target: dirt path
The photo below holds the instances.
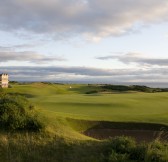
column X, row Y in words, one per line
column 138, row 135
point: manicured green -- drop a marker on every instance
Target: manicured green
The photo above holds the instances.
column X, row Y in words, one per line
column 60, row 100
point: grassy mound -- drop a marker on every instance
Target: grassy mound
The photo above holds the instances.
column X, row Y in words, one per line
column 16, row 113
column 62, row 140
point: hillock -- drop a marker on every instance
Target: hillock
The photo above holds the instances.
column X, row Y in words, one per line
column 17, row 113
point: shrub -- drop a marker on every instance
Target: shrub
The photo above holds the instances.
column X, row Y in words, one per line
column 139, row 152
column 116, row 157
column 16, row 113
column 157, row 152
column 123, row 144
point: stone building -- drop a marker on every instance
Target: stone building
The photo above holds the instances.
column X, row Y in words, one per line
column 4, row 80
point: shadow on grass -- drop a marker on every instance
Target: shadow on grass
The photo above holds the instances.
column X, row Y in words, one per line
column 96, row 90
column 41, row 148
column 38, row 148
column 22, row 94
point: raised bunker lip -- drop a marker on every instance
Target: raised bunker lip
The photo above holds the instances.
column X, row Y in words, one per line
column 108, row 129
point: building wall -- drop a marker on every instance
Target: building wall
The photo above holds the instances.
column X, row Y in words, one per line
column 4, row 80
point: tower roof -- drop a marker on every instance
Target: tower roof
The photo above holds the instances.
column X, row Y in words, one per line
column 3, row 74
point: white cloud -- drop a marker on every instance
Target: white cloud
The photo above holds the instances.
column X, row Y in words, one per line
column 53, row 73
column 9, row 54
column 94, row 18
column 138, row 58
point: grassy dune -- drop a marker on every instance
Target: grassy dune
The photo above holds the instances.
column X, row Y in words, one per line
column 62, row 103
column 60, row 100
column 68, row 111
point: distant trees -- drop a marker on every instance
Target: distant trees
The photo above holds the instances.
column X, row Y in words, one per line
column 139, row 88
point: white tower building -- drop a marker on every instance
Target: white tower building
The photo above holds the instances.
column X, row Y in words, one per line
column 4, row 80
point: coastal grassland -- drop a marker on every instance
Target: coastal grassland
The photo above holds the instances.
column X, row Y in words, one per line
column 61, row 103
column 60, row 100
column 30, row 147
column 69, row 109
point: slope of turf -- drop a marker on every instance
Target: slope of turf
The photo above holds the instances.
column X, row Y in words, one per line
column 69, row 111
column 71, row 101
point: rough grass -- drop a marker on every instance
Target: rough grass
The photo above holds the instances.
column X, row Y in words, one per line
column 28, row 147
column 62, row 141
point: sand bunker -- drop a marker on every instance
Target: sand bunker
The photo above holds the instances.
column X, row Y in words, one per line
column 138, row 135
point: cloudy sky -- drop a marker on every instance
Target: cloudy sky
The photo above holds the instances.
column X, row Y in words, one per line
column 86, row 40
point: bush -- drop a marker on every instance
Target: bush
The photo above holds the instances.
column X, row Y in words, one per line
column 16, row 113
column 157, row 152
column 139, row 153
column 123, row 144
column 116, row 157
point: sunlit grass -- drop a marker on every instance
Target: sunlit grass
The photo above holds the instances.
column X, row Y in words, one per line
column 61, row 100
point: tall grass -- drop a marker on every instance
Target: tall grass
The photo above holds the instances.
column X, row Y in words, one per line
column 33, row 147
